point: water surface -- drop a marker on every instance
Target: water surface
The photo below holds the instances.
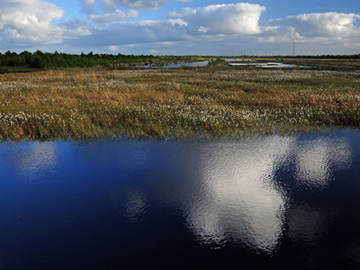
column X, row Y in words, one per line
column 177, row 65
column 267, row 64
column 254, row 202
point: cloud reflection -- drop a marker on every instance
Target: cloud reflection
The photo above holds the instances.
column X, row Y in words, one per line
column 135, row 206
column 228, row 191
column 317, row 159
column 241, row 202
column 37, row 157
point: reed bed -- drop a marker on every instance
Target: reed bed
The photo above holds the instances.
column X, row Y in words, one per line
column 211, row 101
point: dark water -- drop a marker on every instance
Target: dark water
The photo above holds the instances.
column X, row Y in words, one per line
column 177, row 65
column 254, row 203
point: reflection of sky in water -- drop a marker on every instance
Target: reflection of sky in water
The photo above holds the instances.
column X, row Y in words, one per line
column 39, row 156
column 316, row 160
column 252, row 192
column 308, row 224
column 239, row 200
column 135, row 206
column 29, row 159
column 229, row 191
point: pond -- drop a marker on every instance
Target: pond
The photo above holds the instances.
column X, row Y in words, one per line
column 252, row 202
column 176, row 65
column 269, row 65
column 250, row 62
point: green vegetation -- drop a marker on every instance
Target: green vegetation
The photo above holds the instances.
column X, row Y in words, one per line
column 217, row 61
column 214, row 100
column 27, row 61
column 41, row 60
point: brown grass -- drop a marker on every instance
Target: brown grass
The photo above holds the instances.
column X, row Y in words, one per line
column 216, row 100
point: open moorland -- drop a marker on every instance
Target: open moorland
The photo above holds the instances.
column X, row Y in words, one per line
column 211, row 101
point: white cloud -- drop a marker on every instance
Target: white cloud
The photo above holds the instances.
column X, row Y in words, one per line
column 203, row 29
column 26, row 21
column 139, row 4
column 330, row 25
column 226, row 29
column 241, row 18
column 75, row 28
column 190, row 24
column 111, row 5
column 113, row 48
column 87, row 5
column 234, row 29
column 315, row 33
column 135, row 32
column 114, row 16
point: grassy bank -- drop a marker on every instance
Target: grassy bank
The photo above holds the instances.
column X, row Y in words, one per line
column 87, row 102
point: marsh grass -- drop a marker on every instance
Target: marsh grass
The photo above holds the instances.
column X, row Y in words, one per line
column 213, row 101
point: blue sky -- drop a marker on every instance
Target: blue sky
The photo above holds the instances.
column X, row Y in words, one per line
column 262, row 27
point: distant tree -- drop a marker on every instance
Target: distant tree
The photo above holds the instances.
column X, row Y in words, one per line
column 36, row 61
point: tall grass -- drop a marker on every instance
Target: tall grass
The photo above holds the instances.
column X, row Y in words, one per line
column 216, row 100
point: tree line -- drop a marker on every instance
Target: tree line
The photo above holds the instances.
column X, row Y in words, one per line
column 41, row 59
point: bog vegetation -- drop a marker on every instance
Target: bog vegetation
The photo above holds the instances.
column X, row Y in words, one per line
column 91, row 102
column 214, row 100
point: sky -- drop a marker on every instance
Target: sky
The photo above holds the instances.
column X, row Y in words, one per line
column 181, row 27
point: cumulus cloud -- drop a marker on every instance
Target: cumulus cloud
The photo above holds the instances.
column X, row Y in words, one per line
column 189, row 24
column 331, row 25
column 135, row 32
column 231, row 28
column 25, row 22
column 110, row 11
column 241, row 18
